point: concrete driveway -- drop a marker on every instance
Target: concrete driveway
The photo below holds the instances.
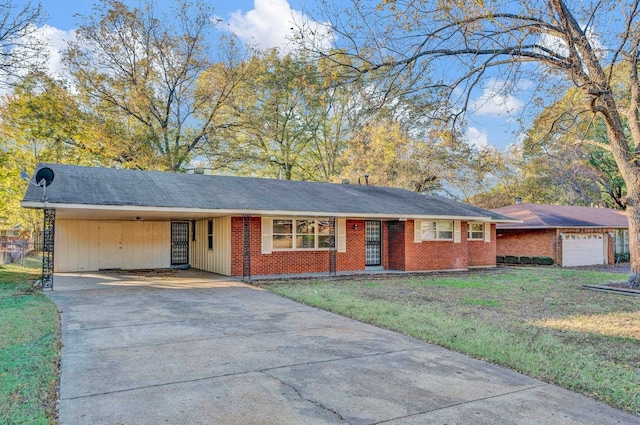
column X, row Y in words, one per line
column 190, row 347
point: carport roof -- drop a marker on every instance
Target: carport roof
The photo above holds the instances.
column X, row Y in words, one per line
column 76, row 187
column 543, row 216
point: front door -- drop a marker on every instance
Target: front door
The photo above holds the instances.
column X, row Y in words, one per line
column 179, row 243
column 373, row 251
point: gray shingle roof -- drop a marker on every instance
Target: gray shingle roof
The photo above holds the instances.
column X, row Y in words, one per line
column 553, row 216
column 114, row 187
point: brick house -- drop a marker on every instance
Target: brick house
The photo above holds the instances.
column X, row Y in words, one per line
column 571, row 236
column 242, row 226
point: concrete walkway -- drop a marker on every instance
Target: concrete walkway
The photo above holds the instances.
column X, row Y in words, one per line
column 193, row 348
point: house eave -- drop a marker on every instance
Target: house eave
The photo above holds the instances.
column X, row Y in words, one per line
column 124, row 212
column 604, row 226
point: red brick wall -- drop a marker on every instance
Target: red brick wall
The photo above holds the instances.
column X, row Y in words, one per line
column 543, row 243
column 290, row 262
column 434, row 255
column 353, row 259
column 399, row 252
column 527, row 243
column 481, row 253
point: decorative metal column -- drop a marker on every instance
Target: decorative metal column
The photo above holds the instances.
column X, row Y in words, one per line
column 332, row 247
column 246, row 248
column 47, row 248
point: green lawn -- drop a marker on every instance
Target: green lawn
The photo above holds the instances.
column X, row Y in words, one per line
column 538, row 321
column 29, row 348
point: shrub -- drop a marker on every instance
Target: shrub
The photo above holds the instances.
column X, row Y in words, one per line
column 511, row 259
column 543, row 261
column 500, row 259
column 526, row 260
column 622, row 258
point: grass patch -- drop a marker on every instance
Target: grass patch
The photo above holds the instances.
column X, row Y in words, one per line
column 29, row 348
column 478, row 301
column 538, row 321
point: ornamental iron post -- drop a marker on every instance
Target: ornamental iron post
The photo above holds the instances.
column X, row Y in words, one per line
column 332, row 247
column 246, row 248
column 47, row 248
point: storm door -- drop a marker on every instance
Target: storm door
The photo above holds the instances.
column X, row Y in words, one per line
column 179, row 243
column 373, row 244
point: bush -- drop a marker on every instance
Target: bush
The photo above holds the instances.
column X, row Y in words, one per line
column 622, row 258
column 526, row 260
column 500, row 259
column 543, row 261
column 511, row 259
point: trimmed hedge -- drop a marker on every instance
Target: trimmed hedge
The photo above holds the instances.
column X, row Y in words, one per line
column 543, row 261
column 512, row 259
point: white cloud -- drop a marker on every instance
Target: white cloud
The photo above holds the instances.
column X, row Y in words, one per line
column 559, row 46
column 56, row 42
column 272, row 23
column 495, row 103
column 476, row 137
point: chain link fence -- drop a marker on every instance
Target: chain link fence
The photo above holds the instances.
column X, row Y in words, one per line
column 15, row 251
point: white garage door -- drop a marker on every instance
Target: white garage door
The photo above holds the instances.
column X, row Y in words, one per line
column 583, row 249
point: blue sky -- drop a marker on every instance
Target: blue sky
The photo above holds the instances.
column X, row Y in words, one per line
column 490, row 120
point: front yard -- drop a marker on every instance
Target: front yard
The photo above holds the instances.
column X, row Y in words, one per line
column 538, row 321
column 29, row 347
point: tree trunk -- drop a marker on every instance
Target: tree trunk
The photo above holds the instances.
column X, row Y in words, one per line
column 633, row 215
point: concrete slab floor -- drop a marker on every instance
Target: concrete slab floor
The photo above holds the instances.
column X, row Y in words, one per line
column 189, row 347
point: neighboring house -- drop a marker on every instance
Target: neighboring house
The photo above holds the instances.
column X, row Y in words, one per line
column 8, row 233
column 571, row 236
column 241, row 226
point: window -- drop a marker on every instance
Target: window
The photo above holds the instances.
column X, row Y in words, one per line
column 210, row 233
column 324, row 234
column 302, row 234
column 622, row 241
column 476, row 231
column 305, row 234
column 282, row 234
column 437, row 230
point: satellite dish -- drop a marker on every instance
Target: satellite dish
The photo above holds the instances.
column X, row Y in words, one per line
column 45, row 174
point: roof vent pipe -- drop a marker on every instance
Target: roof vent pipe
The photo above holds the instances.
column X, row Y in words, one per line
column 366, row 179
column 518, row 200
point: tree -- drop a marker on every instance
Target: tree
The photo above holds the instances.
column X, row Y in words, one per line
column 451, row 46
column 21, row 49
column 144, row 70
column 563, row 158
column 42, row 121
column 289, row 120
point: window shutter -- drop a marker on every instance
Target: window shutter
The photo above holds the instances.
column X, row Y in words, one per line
column 267, row 235
column 341, row 235
column 457, row 237
column 417, row 231
column 487, row 232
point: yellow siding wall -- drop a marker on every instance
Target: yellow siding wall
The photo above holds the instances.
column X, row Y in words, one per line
column 217, row 260
column 93, row 245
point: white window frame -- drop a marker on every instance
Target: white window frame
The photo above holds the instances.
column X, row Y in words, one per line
column 436, row 228
column 481, row 232
column 295, row 234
